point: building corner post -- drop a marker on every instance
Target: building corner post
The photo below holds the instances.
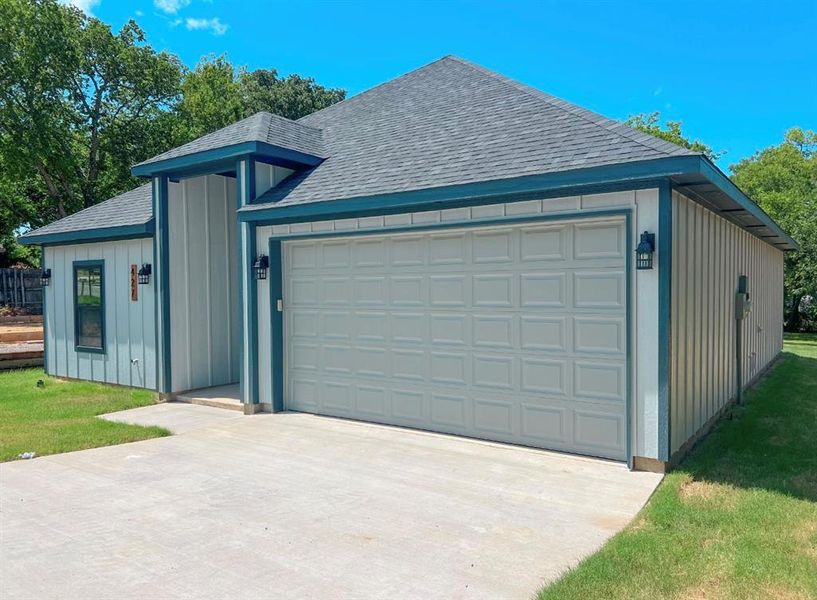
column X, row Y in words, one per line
column 247, row 287
column 664, row 316
column 161, row 260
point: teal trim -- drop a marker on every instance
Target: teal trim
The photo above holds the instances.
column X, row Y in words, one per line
column 44, row 290
column 664, row 317
column 104, row 234
column 716, row 176
column 628, row 336
column 89, row 264
column 269, row 152
column 276, row 292
column 277, row 333
column 245, row 190
column 623, row 176
column 161, row 247
column 632, row 175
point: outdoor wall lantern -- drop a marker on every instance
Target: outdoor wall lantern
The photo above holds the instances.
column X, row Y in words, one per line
column 644, row 251
column 260, row 267
column 45, row 277
column 144, row 274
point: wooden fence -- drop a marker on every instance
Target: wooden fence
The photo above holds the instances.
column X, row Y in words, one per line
column 21, row 288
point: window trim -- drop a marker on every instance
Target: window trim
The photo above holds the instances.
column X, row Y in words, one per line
column 82, row 264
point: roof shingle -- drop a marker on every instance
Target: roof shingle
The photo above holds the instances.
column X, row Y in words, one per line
column 453, row 122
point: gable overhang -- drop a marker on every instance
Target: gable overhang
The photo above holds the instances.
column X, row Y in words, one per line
column 85, row 236
column 217, row 160
column 687, row 174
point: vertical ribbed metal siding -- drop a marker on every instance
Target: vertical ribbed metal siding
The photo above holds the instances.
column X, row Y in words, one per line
column 709, row 253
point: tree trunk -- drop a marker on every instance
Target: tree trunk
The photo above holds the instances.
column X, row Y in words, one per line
column 793, row 322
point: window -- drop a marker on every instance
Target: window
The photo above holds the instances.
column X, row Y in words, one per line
column 89, row 306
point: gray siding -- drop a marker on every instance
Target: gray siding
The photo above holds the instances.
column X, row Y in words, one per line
column 130, row 344
column 709, row 253
column 204, row 315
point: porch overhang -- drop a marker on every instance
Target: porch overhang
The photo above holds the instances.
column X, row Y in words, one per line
column 223, row 159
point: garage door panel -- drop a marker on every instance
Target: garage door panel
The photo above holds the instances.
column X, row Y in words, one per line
column 599, row 290
column 514, row 333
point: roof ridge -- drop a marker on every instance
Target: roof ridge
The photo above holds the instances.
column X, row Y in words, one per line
column 600, row 120
column 371, row 89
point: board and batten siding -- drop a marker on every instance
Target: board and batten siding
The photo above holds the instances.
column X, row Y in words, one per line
column 268, row 176
column 130, row 332
column 643, row 301
column 708, row 255
column 205, row 324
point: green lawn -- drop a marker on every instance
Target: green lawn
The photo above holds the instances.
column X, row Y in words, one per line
column 738, row 518
column 61, row 416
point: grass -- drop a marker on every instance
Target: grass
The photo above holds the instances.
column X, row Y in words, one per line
column 738, row 518
column 61, row 416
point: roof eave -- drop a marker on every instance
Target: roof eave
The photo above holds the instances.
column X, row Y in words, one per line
column 628, row 175
column 103, row 234
column 199, row 162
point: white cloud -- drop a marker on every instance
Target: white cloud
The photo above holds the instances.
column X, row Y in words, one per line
column 175, row 22
column 658, row 91
column 84, row 5
column 171, row 7
column 213, row 25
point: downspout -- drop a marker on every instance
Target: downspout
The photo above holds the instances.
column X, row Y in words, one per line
column 743, row 305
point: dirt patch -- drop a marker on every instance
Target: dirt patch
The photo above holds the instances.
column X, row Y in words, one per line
column 611, row 522
column 779, row 592
column 710, row 589
column 708, row 494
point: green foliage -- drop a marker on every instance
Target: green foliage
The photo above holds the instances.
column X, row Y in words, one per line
column 70, row 89
column 783, row 181
column 670, row 132
column 216, row 94
column 80, row 104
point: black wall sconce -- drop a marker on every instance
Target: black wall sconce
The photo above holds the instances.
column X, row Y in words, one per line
column 644, row 251
column 45, row 277
column 260, row 267
column 144, row 274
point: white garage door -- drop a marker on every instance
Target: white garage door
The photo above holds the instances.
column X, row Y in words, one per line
column 512, row 333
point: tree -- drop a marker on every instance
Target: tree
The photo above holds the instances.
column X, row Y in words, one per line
column 292, row 97
column 671, row 132
column 216, row 94
column 783, row 181
column 70, row 93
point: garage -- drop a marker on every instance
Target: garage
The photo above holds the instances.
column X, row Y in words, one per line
column 512, row 333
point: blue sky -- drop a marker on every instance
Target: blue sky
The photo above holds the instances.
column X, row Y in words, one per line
column 738, row 74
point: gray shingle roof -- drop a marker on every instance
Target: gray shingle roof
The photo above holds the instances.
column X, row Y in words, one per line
column 453, row 122
column 131, row 208
column 260, row 127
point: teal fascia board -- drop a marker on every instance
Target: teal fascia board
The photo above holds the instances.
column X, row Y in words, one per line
column 216, row 157
column 103, row 234
column 716, row 176
column 622, row 176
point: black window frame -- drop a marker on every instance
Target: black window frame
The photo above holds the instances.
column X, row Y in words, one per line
column 89, row 264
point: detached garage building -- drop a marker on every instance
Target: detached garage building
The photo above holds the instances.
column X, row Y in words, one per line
column 451, row 251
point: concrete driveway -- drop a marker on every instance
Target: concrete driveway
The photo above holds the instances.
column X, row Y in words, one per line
column 300, row 506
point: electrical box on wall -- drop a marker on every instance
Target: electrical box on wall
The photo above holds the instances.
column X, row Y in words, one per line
column 743, row 303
